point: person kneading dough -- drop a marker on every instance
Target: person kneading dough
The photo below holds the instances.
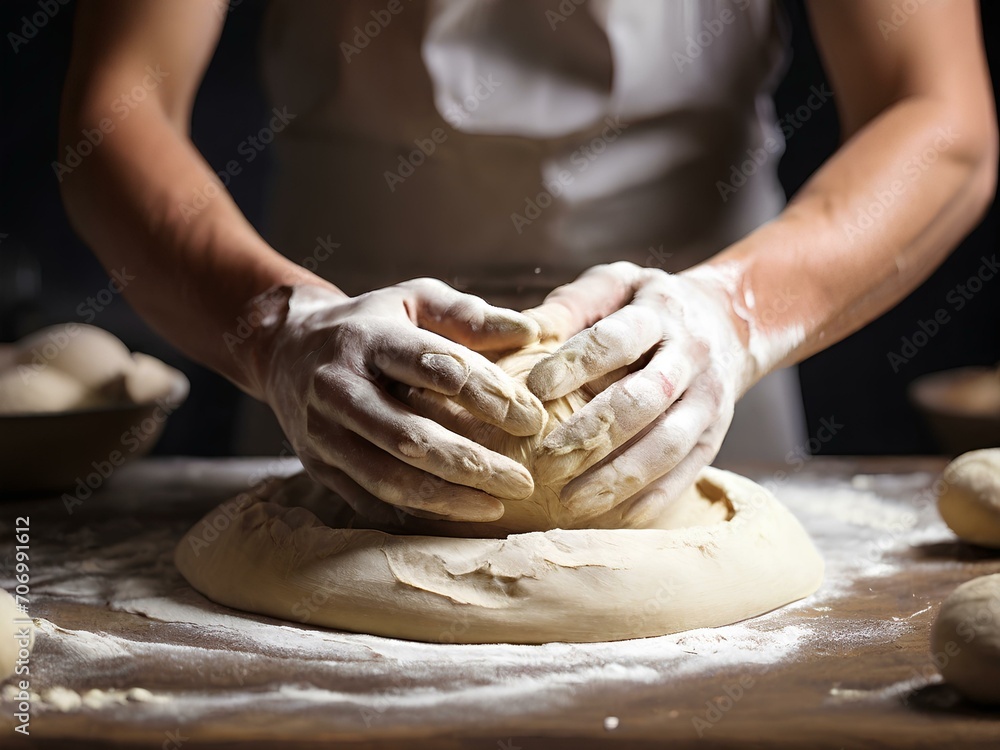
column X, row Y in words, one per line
column 577, row 195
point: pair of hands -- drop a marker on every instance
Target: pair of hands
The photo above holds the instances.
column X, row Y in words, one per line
column 328, row 364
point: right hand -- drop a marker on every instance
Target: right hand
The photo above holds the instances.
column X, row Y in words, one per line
column 325, row 362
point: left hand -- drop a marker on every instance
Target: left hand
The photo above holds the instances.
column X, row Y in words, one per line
column 680, row 339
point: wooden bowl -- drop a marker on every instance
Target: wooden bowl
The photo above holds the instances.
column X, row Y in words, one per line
column 961, row 406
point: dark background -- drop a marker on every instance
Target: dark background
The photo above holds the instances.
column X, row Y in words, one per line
column 45, row 272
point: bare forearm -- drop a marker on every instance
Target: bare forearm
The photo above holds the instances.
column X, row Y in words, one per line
column 192, row 266
column 872, row 224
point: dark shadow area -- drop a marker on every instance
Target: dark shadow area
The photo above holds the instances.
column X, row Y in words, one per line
column 960, row 551
column 942, row 698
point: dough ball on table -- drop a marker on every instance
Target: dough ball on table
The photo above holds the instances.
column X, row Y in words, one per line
column 966, row 639
column 45, row 390
column 970, row 504
column 10, row 642
column 91, row 355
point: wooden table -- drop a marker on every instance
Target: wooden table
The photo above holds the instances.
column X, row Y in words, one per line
column 849, row 667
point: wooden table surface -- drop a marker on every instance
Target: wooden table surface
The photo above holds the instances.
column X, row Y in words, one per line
column 848, row 667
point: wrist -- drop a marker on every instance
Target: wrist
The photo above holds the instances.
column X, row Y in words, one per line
column 267, row 322
column 724, row 284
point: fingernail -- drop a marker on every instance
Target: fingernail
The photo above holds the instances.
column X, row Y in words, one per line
column 448, row 371
column 515, row 482
column 460, row 506
column 483, row 511
column 510, row 406
column 547, row 378
column 509, row 322
column 526, row 415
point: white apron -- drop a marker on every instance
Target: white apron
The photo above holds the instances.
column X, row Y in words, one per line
column 505, row 146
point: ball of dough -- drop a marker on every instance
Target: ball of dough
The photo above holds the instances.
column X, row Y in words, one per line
column 970, row 504
column 11, row 640
column 91, row 355
column 542, row 510
column 965, row 639
column 149, row 379
column 24, row 390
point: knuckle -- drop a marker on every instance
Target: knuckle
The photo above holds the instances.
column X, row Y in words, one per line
column 715, row 397
column 622, row 267
column 349, row 335
column 413, row 442
column 701, row 350
column 627, row 476
column 662, row 298
column 643, row 316
column 317, row 431
column 588, row 357
column 425, row 285
column 605, row 335
column 723, row 405
column 673, row 441
column 640, row 394
column 331, row 385
column 665, row 381
column 472, row 464
column 468, row 309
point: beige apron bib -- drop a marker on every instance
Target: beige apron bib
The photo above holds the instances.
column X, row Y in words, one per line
column 506, row 146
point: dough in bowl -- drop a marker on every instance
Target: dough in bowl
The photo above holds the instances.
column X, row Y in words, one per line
column 48, row 389
column 75, row 366
column 91, row 355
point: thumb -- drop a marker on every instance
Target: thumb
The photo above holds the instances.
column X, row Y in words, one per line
column 468, row 320
column 594, row 295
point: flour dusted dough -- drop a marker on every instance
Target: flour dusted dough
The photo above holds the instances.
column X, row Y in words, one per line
column 724, row 551
column 970, row 504
column 966, row 639
column 727, row 550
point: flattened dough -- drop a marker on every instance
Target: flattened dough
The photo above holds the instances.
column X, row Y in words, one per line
column 725, row 551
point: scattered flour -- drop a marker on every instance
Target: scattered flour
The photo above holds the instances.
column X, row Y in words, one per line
column 97, row 578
